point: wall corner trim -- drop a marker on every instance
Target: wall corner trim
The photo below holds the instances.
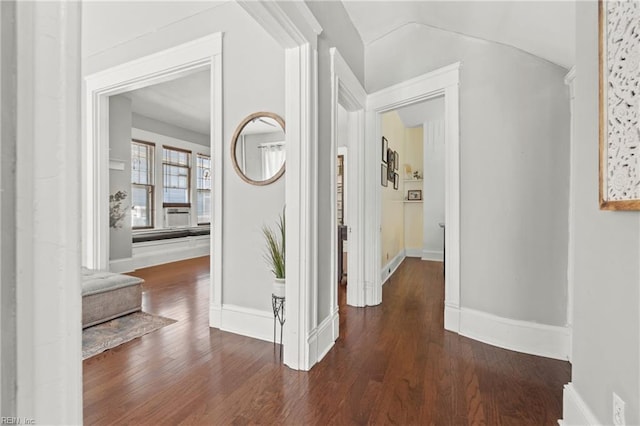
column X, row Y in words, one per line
column 516, row 335
column 275, row 20
column 574, row 410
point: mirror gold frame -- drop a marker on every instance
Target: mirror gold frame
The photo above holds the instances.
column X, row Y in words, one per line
column 234, row 142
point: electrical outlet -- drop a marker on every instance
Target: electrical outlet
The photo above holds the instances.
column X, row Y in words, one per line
column 618, row 411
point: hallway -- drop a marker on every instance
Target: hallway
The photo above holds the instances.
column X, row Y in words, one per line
column 393, row 363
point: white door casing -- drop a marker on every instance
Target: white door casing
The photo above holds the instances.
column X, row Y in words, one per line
column 443, row 81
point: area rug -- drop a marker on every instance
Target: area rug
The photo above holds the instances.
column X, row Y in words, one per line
column 110, row 334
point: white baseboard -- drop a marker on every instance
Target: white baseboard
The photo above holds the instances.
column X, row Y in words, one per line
column 520, row 336
column 413, row 252
column 433, row 255
column 452, row 318
column 391, row 266
column 248, row 322
column 215, row 316
column 575, row 411
column 120, row 266
column 151, row 253
column 322, row 339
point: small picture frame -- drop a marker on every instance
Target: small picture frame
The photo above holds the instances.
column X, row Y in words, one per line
column 414, row 195
column 385, row 148
column 390, row 172
column 396, row 160
column 396, row 180
column 384, row 176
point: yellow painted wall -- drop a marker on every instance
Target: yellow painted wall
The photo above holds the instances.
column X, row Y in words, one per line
column 392, row 241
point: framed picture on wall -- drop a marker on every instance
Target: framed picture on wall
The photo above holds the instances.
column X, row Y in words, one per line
column 385, row 147
column 384, row 177
column 396, row 160
column 414, row 195
column 390, row 158
column 390, row 172
column 396, row 180
column 619, row 53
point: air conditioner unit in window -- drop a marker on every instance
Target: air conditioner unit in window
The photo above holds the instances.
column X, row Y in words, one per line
column 177, row 217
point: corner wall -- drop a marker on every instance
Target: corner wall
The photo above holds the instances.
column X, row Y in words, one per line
column 606, row 321
column 514, row 152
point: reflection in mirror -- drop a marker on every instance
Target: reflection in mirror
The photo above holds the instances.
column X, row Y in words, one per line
column 258, row 148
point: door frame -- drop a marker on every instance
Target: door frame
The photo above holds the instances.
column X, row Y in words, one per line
column 441, row 82
column 175, row 62
column 347, row 91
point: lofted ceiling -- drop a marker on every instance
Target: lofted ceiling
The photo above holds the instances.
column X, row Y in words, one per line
column 543, row 28
column 183, row 102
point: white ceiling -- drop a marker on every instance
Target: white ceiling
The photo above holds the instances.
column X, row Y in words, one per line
column 183, row 102
column 543, row 28
column 416, row 114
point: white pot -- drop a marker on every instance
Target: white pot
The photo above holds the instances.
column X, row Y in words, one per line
column 278, row 287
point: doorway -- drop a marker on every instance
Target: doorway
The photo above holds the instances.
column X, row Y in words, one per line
column 341, row 203
column 442, row 82
column 348, row 101
column 199, row 55
column 412, row 184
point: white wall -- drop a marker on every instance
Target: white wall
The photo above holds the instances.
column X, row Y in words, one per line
column 606, row 330
column 434, row 160
column 120, row 180
column 8, row 124
column 514, row 142
column 253, row 79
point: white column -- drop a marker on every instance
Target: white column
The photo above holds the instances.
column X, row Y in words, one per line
column 301, row 212
column 49, row 373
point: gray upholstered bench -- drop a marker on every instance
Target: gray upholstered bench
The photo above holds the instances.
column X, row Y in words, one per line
column 106, row 296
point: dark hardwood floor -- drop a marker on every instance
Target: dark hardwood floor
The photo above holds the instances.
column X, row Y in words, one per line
column 393, row 364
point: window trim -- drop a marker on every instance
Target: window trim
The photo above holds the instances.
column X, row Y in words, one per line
column 188, row 166
column 152, row 186
column 210, row 191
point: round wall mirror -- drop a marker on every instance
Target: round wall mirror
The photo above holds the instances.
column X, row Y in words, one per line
column 258, row 148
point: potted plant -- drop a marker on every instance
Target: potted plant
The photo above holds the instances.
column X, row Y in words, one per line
column 275, row 253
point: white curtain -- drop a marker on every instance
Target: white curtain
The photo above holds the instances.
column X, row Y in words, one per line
column 272, row 158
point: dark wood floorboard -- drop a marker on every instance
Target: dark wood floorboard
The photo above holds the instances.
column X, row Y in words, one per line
column 393, row 364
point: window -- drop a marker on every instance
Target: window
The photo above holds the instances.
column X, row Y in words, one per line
column 142, row 159
column 203, row 185
column 175, row 173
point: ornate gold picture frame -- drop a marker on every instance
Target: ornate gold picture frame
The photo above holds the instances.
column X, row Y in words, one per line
column 619, row 87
